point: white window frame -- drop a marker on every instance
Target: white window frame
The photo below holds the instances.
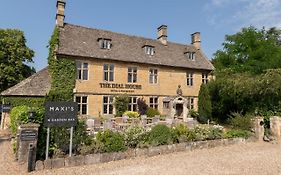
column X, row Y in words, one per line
column 153, row 76
column 132, row 74
column 82, row 68
column 133, row 105
column 105, row 43
column 108, row 72
column 191, row 55
column 108, row 105
column 189, row 79
column 205, row 78
column 154, row 102
column 149, row 50
column 81, row 104
column 166, row 105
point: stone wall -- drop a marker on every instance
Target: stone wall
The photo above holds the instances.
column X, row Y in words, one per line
column 132, row 153
column 275, row 126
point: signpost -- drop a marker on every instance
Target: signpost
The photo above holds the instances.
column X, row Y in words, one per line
column 63, row 114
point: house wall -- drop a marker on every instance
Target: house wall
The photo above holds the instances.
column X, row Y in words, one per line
column 168, row 80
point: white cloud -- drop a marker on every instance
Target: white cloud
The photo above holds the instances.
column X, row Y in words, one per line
column 243, row 13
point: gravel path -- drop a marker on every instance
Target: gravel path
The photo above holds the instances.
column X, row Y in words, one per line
column 251, row 158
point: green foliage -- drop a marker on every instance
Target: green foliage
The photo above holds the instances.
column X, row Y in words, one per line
column 135, row 136
column 112, row 141
column 180, row 133
column 151, row 112
column 194, row 114
column 121, row 104
column 250, row 50
column 132, row 114
column 237, row 133
column 238, row 121
column 21, row 101
column 18, row 115
column 13, row 55
column 62, row 71
column 93, row 148
column 160, row 135
column 204, row 104
column 142, row 106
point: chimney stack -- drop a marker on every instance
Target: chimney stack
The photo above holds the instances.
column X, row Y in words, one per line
column 60, row 13
column 195, row 40
column 162, row 34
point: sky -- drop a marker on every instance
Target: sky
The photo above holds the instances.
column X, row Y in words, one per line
column 212, row 18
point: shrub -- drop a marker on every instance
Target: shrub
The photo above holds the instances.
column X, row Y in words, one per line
column 216, row 132
column 142, row 106
column 18, row 116
column 238, row 121
column 160, row 135
column 131, row 114
column 93, row 148
column 180, row 133
column 237, row 133
column 204, row 104
column 121, row 104
column 151, row 112
column 135, row 136
column 192, row 113
column 112, row 141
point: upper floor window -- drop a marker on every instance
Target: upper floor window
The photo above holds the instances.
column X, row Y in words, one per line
column 82, row 104
column 107, row 105
column 82, row 70
column 190, row 55
column 190, row 103
column 204, row 78
column 153, row 76
column 108, row 71
column 132, row 74
column 149, row 50
column 189, row 79
column 105, row 43
column 153, row 102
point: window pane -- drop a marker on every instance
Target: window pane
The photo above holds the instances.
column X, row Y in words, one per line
column 84, row 99
column 111, row 76
column 110, row 111
column 85, row 65
column 150, row 78
column 105, row 109
column 111, row 67
column 84, row 109
column 78, row 65
column 78, row 99
column 151, row 100
column 85, row 74
column 79, row 74
column 155, row 79
column 129, row 77
column 134, row 78
column 105, row 67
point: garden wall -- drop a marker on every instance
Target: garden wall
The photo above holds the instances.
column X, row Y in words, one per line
column 132, row 153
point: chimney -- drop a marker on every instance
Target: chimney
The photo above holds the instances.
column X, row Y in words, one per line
column 60, row 13
column 195, row 40
column 162, row 34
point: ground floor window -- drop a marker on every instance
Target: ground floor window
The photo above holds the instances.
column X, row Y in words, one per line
column 132, row 104
column 107, row 105
column 190, row 103
column 82, row 104
column 153, row 102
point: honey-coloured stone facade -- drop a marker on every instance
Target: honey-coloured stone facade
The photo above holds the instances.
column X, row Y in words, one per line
column 166, row 87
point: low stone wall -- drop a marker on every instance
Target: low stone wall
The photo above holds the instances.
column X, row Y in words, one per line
column 132, row 153
column 275, row 126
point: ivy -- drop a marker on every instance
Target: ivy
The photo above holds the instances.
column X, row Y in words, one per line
column 32, row 102
column 62, row 71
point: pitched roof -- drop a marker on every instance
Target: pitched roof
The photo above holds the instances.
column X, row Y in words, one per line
column 80, row 41
column 39, row 84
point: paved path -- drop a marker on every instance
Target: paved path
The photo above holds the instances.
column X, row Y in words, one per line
column 251, row 158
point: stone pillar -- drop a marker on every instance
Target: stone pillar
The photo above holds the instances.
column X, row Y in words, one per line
column 275, row 126
column 259, row 128
column 27, row 139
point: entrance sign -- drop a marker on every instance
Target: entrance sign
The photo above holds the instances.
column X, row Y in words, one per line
column 60, row 114
column 5, row 107
column 28, row 135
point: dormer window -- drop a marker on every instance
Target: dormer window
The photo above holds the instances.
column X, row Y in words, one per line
column 105, row 43
column 190, row 55
column 149, row 50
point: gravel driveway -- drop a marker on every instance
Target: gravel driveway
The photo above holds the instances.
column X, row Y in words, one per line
column 251, row 158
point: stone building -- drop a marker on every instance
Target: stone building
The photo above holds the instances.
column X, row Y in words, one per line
column 167, row 75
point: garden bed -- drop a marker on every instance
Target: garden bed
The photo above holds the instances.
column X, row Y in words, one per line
column 132, row 153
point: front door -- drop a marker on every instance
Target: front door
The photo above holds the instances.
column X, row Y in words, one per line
column 179, row 110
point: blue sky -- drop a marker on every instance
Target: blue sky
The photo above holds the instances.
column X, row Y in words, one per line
column 213, row 18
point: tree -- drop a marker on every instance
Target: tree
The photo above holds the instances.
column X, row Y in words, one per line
column 13, row 55
column 204, row 104
column 250, row 50
column 121, row 104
